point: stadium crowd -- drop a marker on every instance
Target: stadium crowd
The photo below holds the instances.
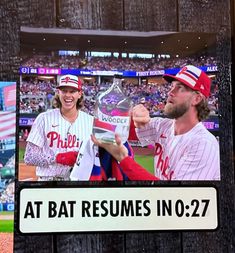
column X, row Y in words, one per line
column 7, row 188
column 152, row 95
column 7, row 195
column 114, row 63
column 36, row 95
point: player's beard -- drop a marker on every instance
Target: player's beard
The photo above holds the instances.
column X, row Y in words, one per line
column 173, row 111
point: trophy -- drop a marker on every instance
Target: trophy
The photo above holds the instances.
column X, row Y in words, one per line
column 112, row 113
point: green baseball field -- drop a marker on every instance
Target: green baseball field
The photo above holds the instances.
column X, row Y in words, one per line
column 145, row 161
column 143, row 156
column 6, row 221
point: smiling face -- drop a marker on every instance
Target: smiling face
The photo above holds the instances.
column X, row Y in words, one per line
column 180, row 100
column 68, row 97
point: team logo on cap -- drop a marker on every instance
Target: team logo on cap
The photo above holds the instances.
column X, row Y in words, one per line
column 189, row 75
column 71, row 81
column 68, row 79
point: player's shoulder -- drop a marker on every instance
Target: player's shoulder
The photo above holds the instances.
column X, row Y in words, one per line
column 162, row 119
column 51, row 112
column 163, row 122
column 203, row 134
column 48, row 114
column 85, row 115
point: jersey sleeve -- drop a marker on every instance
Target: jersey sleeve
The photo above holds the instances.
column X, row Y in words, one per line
column 36, row 134
column 148, row 134
column 200, row 162
column 34, row 155
column 134, row 171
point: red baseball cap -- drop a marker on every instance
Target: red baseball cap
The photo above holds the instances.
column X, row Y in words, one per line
column 70, row 81
column 192, row 77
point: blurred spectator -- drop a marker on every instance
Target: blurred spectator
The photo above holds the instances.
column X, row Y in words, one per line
column 36, row 95
column 153, row 96
column 113, row 63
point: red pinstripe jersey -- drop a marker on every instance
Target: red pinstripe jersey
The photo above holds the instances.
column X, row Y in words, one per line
column 190, row 156
column 51, row 132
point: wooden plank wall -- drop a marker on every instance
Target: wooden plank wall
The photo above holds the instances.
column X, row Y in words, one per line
column 140, row 15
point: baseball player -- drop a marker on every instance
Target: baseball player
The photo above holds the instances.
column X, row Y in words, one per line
column 57, row 135
column 184, row 148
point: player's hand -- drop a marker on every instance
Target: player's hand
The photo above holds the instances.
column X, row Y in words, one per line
column 67, row 158
column 140, row 116
column 118, row 150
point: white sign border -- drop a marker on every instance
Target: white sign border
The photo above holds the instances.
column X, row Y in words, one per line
column 128, row 223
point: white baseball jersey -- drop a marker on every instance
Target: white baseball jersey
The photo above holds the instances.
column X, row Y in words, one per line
column 190, row 156
column 51, row 132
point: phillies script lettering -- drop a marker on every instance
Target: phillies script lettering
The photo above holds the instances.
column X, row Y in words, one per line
column 161, row 162
column 55, row 140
